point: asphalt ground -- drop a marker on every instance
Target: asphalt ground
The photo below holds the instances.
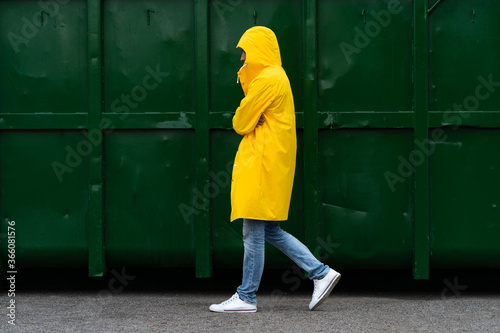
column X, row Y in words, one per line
column 134, row 301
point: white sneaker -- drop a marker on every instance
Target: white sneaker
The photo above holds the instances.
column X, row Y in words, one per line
column 234, row 304
column 323, row 288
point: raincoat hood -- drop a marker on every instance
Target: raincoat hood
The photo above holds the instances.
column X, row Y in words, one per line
column 262, row 50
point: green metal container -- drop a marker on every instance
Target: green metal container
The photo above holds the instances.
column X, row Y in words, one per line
column 116, row 144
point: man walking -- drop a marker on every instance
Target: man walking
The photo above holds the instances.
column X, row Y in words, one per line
column 263, row 171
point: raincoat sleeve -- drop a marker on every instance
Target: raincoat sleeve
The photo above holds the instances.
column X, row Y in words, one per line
column 260, row 95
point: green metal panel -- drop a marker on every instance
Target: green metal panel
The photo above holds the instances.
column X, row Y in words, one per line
column 97, row 264
column 148, row 56
column 149, row 181
column 367, row 224
column 465, row 200
column 50, row 211
column 463, row 54
column 364, row 55
column 310, row 159
column 202, row 226
column 48, row 121
column 296, row 217
column 420, row 169
column 226, row 237
column 134, row 100
column 463, row 90
column 43, row 60
column 464, row 35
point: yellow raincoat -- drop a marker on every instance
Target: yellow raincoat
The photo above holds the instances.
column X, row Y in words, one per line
column 264, row 166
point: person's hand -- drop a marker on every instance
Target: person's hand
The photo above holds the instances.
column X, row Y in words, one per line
column 261, row 120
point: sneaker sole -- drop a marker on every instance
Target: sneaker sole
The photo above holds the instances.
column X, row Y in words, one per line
column 234, row 311
column 327, row 292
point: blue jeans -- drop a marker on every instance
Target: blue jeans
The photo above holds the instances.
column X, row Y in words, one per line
column 255, row 233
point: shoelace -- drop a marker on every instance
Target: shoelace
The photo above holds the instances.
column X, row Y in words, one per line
column 235, row 296
column 315, row 291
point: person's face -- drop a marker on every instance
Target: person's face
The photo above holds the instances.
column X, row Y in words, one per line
column 243, row 56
